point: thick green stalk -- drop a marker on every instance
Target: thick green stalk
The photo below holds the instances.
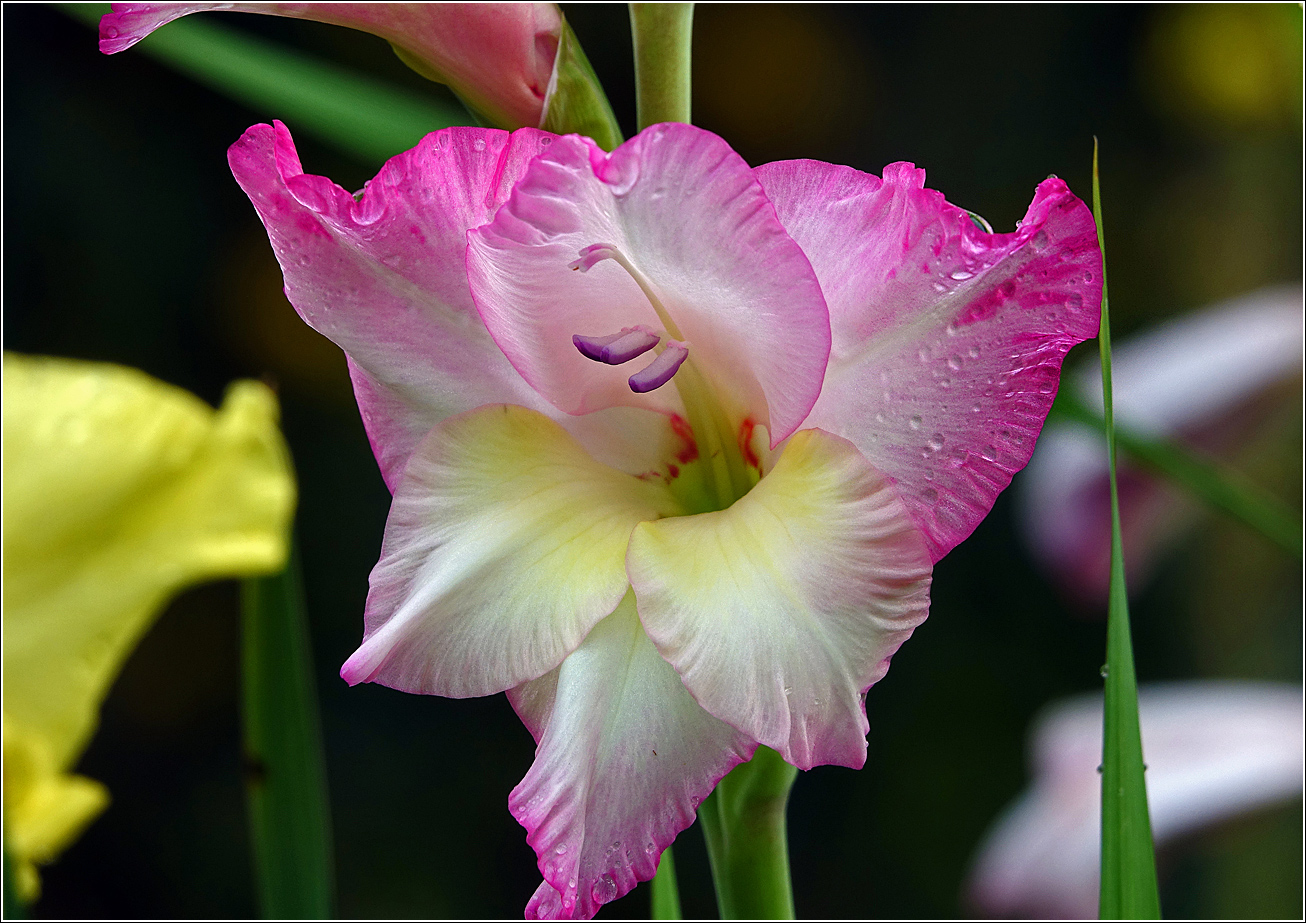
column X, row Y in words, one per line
column 663, row 34
column 1128, row 885
column 286, row 780
column 665, row 898
column 744, row 825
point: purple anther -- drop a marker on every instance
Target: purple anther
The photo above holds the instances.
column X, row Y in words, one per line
column 592, row 254
column 616, row 348
column 660, row 371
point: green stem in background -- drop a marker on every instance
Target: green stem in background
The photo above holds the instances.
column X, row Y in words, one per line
column 1128, row 886
column 1222, row 490
column 665, row 898
column 286, row 780
column 360, row 115
column 744, row 825
column 577, row 103
column 14, row 908
column 663, row 34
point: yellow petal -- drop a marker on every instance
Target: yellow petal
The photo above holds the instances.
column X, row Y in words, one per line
column 119, row 491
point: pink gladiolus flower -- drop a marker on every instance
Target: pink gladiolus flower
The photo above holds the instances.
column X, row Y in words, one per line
column 498, row 57
column 1214, row 750
column 673, row 442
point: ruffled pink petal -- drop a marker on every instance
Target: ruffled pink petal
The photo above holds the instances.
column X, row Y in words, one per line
column 686, row 211
column 947, row 340
column 505, row 545
column 383, row 277
column 499, row 57
column 781, row 611
column 625, row 757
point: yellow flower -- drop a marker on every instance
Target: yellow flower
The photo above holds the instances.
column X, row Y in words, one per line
column 119, row 491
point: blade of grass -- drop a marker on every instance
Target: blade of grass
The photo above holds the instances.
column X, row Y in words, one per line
column 665, row 898
column 1128, row 885
column 1220, row 489
column 285, row 778
column 368, row 118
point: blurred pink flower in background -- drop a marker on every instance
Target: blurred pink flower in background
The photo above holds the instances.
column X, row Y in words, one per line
column 1197, row 379
column 498, row 57
column 1213, row 749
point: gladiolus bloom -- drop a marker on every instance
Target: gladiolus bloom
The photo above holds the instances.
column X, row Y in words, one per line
column 119, row 491
column 673, row 442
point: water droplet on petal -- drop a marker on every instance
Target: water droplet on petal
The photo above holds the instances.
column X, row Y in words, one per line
column 961, row 275
column 954, row 363
column 561, row 849
column 939, row 286
column 1074, row 302
column 988, row 453
column 936, row 442
column 1105, row 671
column 604, row 890
column 1040, row 240
column 915, row 422
column 479, row 144
column 929, row 495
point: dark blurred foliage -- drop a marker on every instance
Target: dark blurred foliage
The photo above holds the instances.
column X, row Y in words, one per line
column 125, row 239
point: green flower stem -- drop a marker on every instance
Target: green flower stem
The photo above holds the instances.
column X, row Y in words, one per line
column 662, row 33
column 665, row 898
column 1128, row 884
column 14, row 908
column 744, row 825
column 286, row 780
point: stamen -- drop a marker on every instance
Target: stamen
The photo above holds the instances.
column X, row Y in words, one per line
column 616, row 348
column 596, row 253
column 661, row 370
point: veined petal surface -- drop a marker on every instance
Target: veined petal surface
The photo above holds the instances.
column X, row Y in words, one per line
column 625, row 757
column 690, row 217
column 781, row 611
column 505, row 545
column 947, row 340
column 383, row 277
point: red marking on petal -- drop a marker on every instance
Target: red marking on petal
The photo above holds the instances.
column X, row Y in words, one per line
column 746, row 443
column 674, row 471
column 689, row 451
column 986, row 305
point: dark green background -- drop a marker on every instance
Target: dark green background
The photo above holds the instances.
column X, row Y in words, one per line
column 125, row 239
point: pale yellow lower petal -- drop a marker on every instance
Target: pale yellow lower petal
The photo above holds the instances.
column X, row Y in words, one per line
column 119, row 491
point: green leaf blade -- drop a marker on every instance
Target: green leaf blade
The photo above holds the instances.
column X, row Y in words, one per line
column 367, row 118
column 1128, row 884
column 285, row 772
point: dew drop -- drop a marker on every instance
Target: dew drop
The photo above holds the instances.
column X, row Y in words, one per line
column 974, row 408
column 1074, row 302
column 950, row 330
column 1105, row 671
column 571, row 883
column 988, row 453
column 1099, row 767
column 973, row 352
column 929, row 495
column 915, row 422
column 479, row 144
column 879, row 418
column 939, row 286
column 545, row 141
column 936, row 442
column 604, row 890
column 961, row 275
column 111, row 32
column 1040, row 240
column 954, row 363
column 789, row 690
column 561, row 849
